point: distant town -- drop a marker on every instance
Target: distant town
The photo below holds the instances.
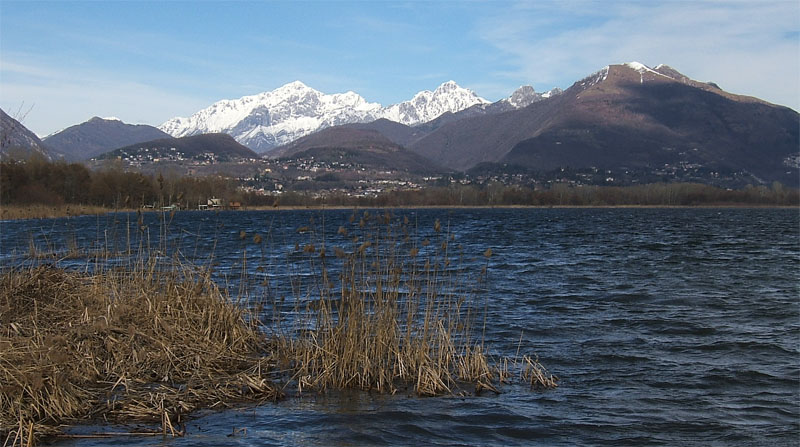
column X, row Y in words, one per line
column 321, row 178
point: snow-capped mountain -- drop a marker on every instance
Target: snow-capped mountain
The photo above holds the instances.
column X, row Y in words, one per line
column 637, row 71
column 427, row 105
column 629, row 116
column 271, row 119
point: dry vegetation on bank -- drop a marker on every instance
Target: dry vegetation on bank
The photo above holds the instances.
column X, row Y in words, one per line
column 154, row 341
column 121, row 345
column 38, row 211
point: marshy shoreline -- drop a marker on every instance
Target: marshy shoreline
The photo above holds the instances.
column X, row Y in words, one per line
column 661, row 322
column 155, row 339
column 20, row 212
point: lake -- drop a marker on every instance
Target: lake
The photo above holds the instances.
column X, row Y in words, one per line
column 665, row 326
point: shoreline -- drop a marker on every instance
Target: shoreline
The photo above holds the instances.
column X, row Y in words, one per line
column 21, row 212
column 343, row 207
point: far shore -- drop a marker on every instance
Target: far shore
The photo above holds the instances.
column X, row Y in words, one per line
column 36, row 211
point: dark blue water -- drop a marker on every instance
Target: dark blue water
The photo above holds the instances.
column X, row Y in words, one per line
column 666, row 326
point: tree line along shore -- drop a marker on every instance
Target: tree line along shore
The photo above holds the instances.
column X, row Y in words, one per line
column 38, row 188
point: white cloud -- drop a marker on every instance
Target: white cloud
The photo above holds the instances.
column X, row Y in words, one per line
column 60, row 98
column 747, row 48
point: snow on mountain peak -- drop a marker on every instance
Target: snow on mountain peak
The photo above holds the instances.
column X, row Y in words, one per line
column 638, row 66
column 526, row 95
column 644, row 69
column 293, row 110
column 645, row 73
column 595, row 78
column 552, row 92
column 448, row 86
column 296, row 84
column 428, row 105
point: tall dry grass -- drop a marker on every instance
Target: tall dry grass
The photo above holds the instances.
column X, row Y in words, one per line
column 394, row 313
column 150, row 344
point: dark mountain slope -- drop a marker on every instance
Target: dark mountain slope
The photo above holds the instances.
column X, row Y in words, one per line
column 17, row 141
column 96, row 136
column 346, row 144
column 222, row 146
column 629, row 116
column 652, row 124
column 396, row 132
column 485, row 138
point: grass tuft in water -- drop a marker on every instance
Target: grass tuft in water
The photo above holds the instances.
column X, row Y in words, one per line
column 402, row 315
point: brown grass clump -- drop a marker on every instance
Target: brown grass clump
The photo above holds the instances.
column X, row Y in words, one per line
column 147, row 345
column 401, row 315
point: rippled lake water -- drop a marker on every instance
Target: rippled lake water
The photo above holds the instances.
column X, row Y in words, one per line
column 666, row 326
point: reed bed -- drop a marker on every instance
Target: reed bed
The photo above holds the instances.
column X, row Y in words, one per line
column 384, row 309
column 143, row 345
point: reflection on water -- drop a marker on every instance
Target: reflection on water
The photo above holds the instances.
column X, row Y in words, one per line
column 666, row 326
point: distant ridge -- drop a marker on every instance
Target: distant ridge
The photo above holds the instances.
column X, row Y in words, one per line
column 624, row 116
column 400, row 134
column 222, row 146
column 365, row 147
column 98, row 135
column 407, row 134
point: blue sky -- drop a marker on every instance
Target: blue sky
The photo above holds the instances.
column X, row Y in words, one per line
column 145, row 62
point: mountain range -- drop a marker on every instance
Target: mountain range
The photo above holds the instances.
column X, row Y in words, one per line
column 622, row 116
column 278, row 117
column 625, row 116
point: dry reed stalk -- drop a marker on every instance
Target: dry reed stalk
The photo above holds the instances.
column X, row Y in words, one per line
column 536, row 374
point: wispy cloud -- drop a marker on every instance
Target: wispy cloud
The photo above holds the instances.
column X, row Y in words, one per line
column 51, row 92
column 748, row 48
